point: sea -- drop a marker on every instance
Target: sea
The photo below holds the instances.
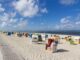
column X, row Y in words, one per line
column 77, row 33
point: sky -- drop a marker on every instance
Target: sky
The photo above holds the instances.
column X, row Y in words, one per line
column 38, row 15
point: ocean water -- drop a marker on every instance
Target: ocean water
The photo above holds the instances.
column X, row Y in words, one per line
column 77, row 33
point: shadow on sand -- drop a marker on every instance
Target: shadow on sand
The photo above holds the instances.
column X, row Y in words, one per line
column 62, row 50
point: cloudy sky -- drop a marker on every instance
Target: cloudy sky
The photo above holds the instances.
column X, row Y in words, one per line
column 22, row 15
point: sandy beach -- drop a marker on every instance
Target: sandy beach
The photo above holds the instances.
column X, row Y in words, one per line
column 33, row 51
column 1, row 56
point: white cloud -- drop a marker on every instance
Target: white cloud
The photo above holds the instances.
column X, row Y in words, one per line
column 22, row 24
column 1, row 8
column 65, row 24
column 28, row 8
column 78, row 17
column 3, row 24
column 12, row 14
column 44, row 10
column 64, row 20
column 68, row 2
column 7, row 21
column 77, row 23
column 64, row 27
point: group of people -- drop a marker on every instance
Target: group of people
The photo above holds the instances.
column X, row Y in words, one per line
column 52, row 43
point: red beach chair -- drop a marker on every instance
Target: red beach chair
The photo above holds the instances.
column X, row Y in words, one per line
column 49, row 43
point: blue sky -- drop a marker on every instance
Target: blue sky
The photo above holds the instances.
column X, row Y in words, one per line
column 22, row 15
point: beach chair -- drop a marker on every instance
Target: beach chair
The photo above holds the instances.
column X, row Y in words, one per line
column 54, row 47
column 19, row 35
column 39, row 38
column 26, row 34
column 9, row 33
column 71, row 41
column 48, row 44
column 34, row 38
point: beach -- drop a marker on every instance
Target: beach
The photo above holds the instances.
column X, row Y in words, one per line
column 1, row 56
column 29, row 50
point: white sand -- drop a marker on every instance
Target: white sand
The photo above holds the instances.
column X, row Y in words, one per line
column 1, row 56
column 34, row 51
